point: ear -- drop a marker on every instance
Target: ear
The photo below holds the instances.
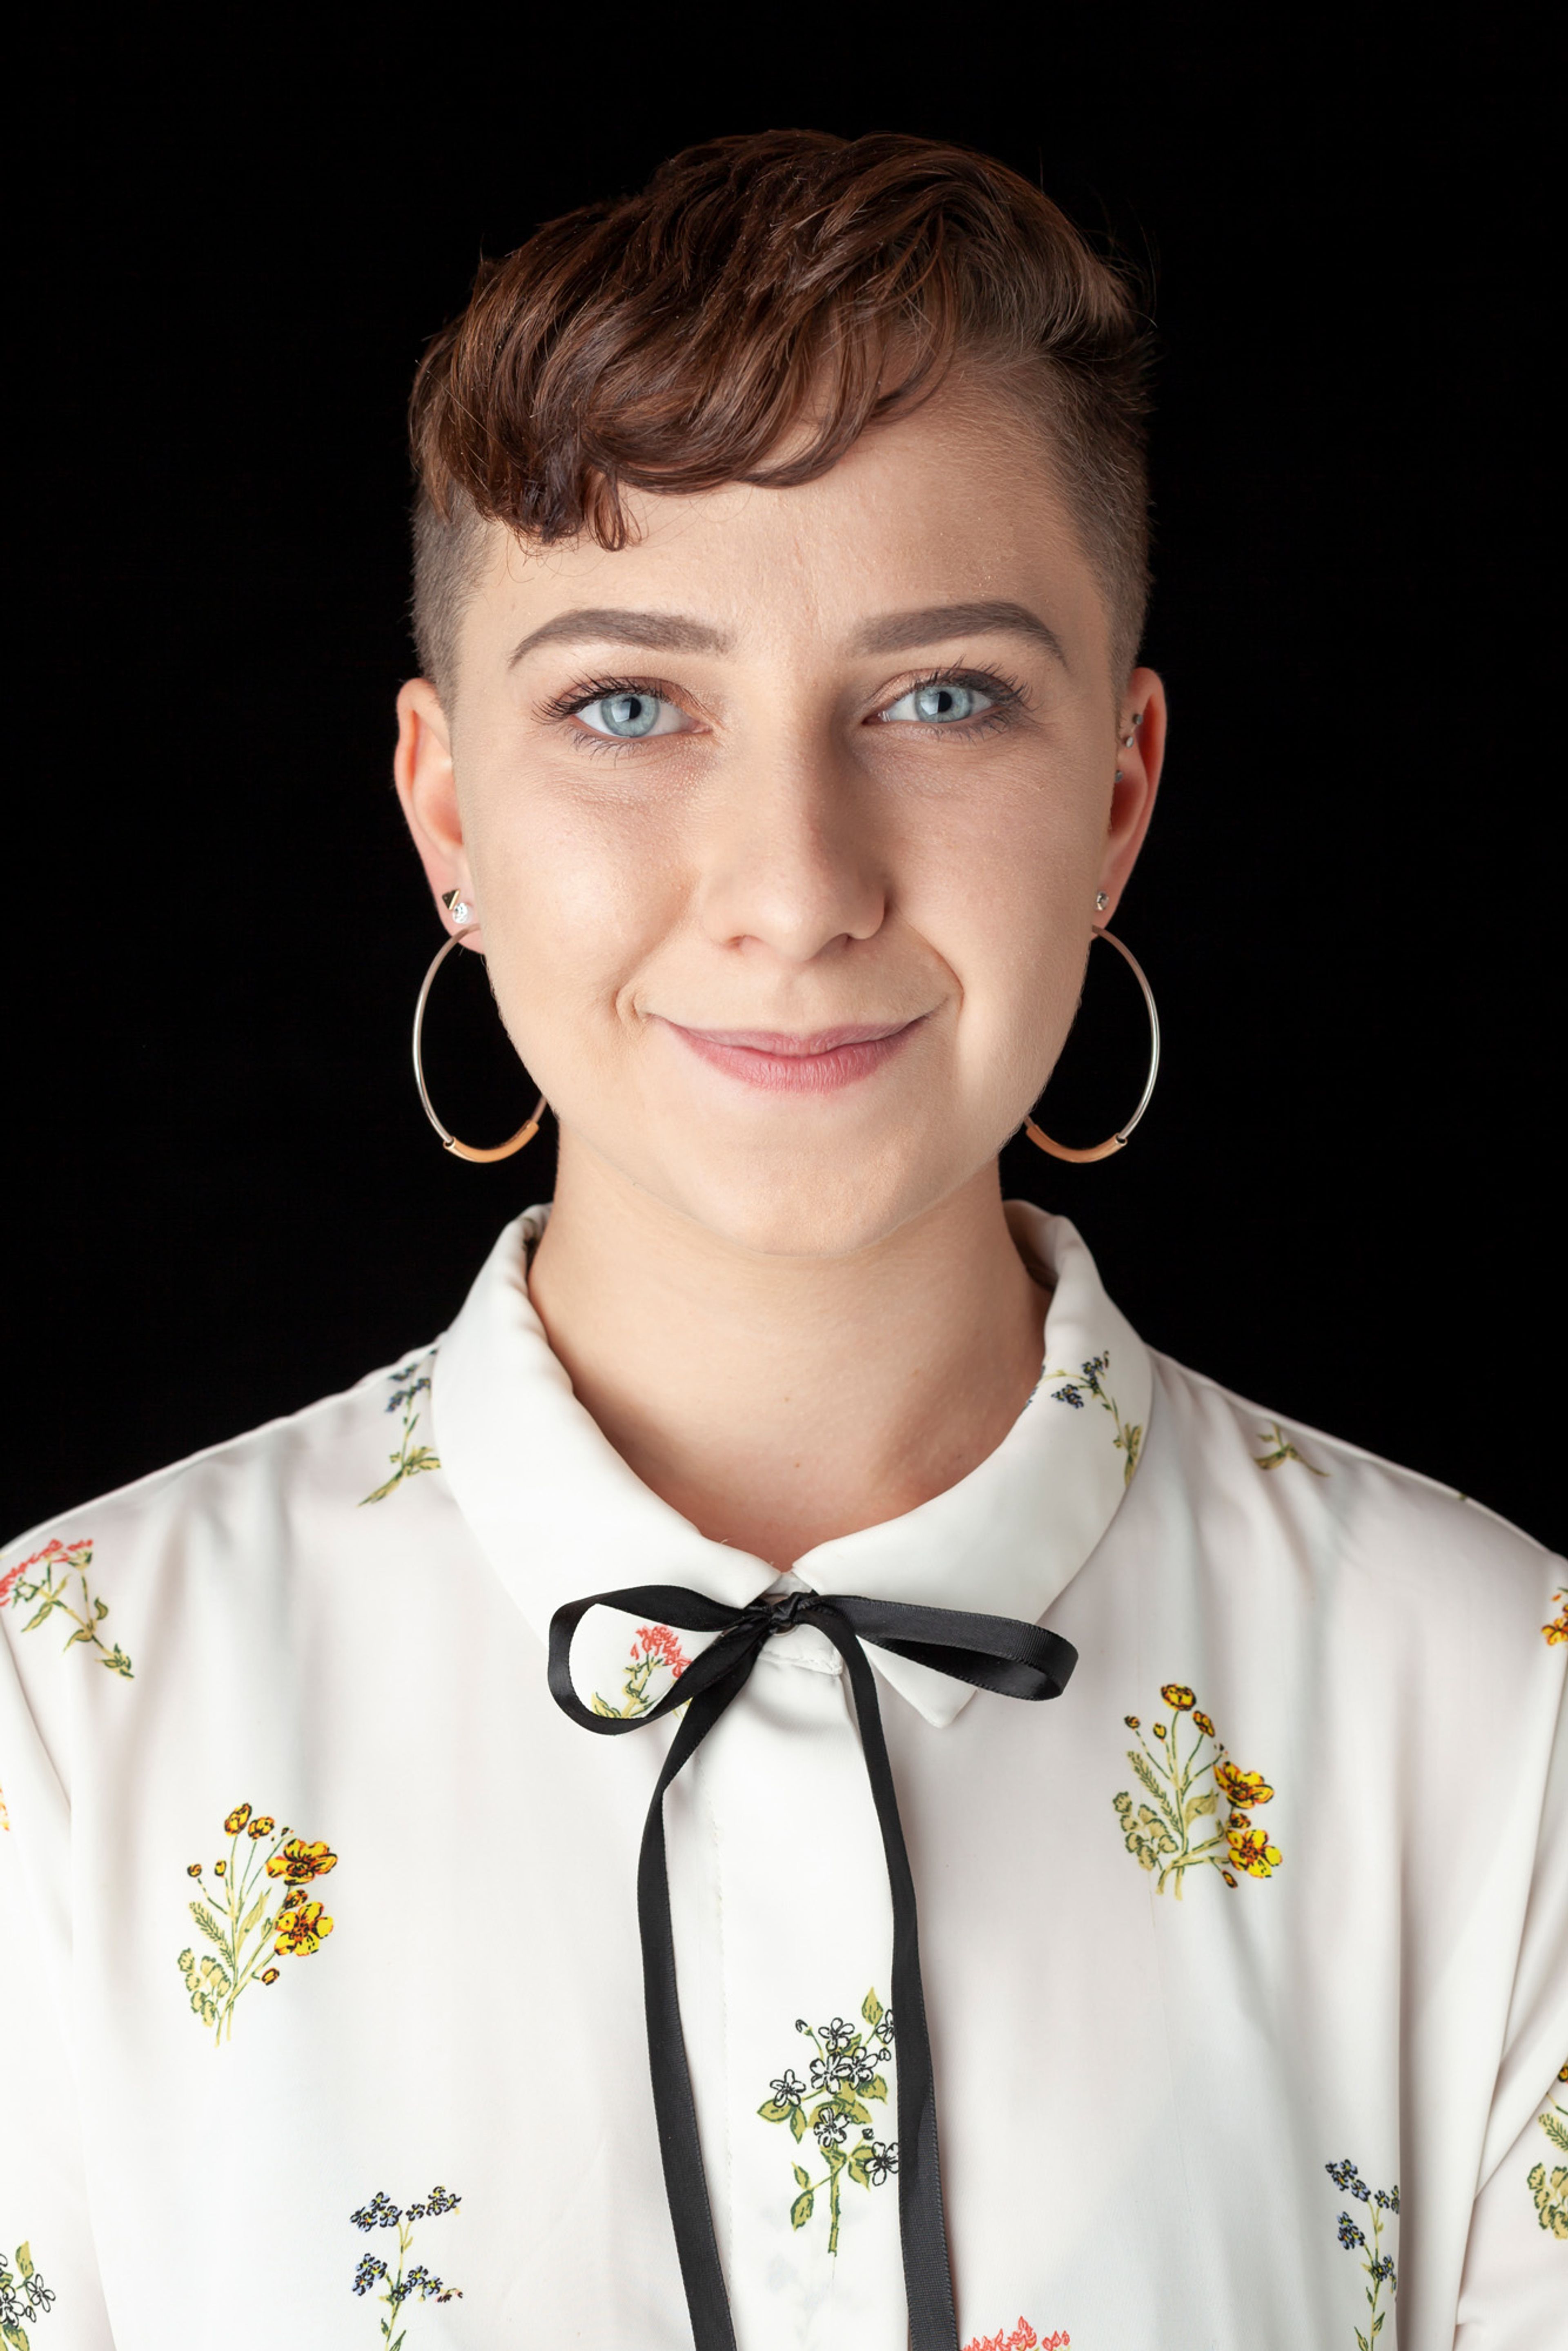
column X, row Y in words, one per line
column 1141, row 714
column 427, row 792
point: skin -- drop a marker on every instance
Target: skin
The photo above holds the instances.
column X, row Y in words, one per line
column 795, row 1312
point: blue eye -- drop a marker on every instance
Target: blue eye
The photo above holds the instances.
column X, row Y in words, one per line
column 627, row 717
column 940, row 703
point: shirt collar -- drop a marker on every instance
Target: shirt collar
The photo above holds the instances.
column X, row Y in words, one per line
column 559, row 1513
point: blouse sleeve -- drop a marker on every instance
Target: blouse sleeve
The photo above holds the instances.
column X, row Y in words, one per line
column 48, row 2266
column 1515, row 2289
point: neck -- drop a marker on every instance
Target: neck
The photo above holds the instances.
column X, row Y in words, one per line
column 778, row 1402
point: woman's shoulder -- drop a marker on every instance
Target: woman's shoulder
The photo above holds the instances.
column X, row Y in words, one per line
column 262, row 1493
column 1335, row 1500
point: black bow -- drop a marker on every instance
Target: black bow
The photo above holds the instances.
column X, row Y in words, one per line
column 995, row 1653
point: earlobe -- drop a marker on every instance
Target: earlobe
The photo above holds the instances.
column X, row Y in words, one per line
column 427, row 788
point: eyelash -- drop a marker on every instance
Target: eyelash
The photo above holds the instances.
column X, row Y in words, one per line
column 577, row 697
column 1005, row 693
column 1006, row 696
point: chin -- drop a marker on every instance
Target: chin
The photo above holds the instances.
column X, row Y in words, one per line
column 807, row 1206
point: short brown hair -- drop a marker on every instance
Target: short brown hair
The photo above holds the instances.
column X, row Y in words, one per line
column 787, row 288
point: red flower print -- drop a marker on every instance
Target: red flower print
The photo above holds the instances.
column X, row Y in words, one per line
column 654, row 1651
column 51, row 1550
column 658, row 1641
column 1022, row 2338
column 58, row 1581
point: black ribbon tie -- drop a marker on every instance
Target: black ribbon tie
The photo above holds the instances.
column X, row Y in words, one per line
column 994, row 1653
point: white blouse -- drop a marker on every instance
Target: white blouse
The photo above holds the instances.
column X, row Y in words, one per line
column 1246, row 1960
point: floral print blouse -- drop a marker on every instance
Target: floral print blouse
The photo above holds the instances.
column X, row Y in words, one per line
column 1246, row 1960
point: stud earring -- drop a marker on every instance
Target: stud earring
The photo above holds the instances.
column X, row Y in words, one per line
column 457, row 906
column 1101, row 901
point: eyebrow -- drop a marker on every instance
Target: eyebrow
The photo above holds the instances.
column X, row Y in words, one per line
column 677, row 632
column 903, row 632
column 660, row 633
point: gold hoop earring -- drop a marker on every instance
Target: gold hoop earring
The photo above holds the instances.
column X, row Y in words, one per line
column 1117, row 1142
column 524, row 1134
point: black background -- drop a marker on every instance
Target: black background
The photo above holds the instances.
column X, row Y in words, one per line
column 225, row 1200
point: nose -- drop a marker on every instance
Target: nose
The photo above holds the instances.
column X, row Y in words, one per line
column 791, row 862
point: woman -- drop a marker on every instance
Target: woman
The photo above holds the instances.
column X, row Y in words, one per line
column 781, row 746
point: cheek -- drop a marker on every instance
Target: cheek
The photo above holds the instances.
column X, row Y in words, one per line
column 1011, row 908
column 574, row 898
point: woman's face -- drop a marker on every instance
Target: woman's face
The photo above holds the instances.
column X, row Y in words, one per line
column 784, row 825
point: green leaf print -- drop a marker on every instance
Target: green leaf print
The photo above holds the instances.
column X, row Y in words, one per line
column 1549, row 2190
column 657, row 1650
column 61, row 1579
column 24, row 2295
column 262, row 1865
column 1282, row 1450
column 1188, row 1782
column 398, row 2283
column 1380, row 2205
column 828, row 2106
column 408, row 1459
column 1089, row 1380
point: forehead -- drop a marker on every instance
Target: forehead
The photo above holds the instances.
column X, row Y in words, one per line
column 958, row 503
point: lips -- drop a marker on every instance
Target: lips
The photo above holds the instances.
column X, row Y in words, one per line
column 819, row 1062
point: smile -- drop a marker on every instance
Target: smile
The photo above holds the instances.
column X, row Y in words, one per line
column 816, row 1064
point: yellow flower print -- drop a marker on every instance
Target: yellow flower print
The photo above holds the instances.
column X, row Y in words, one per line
column 298, row 1863
column 1558, row 1630
column 236, row 1918
column 1549, row 2191
column 1250, row 1851
column 1241, row 1788
column 303, row 1930
column 1184, row 1784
